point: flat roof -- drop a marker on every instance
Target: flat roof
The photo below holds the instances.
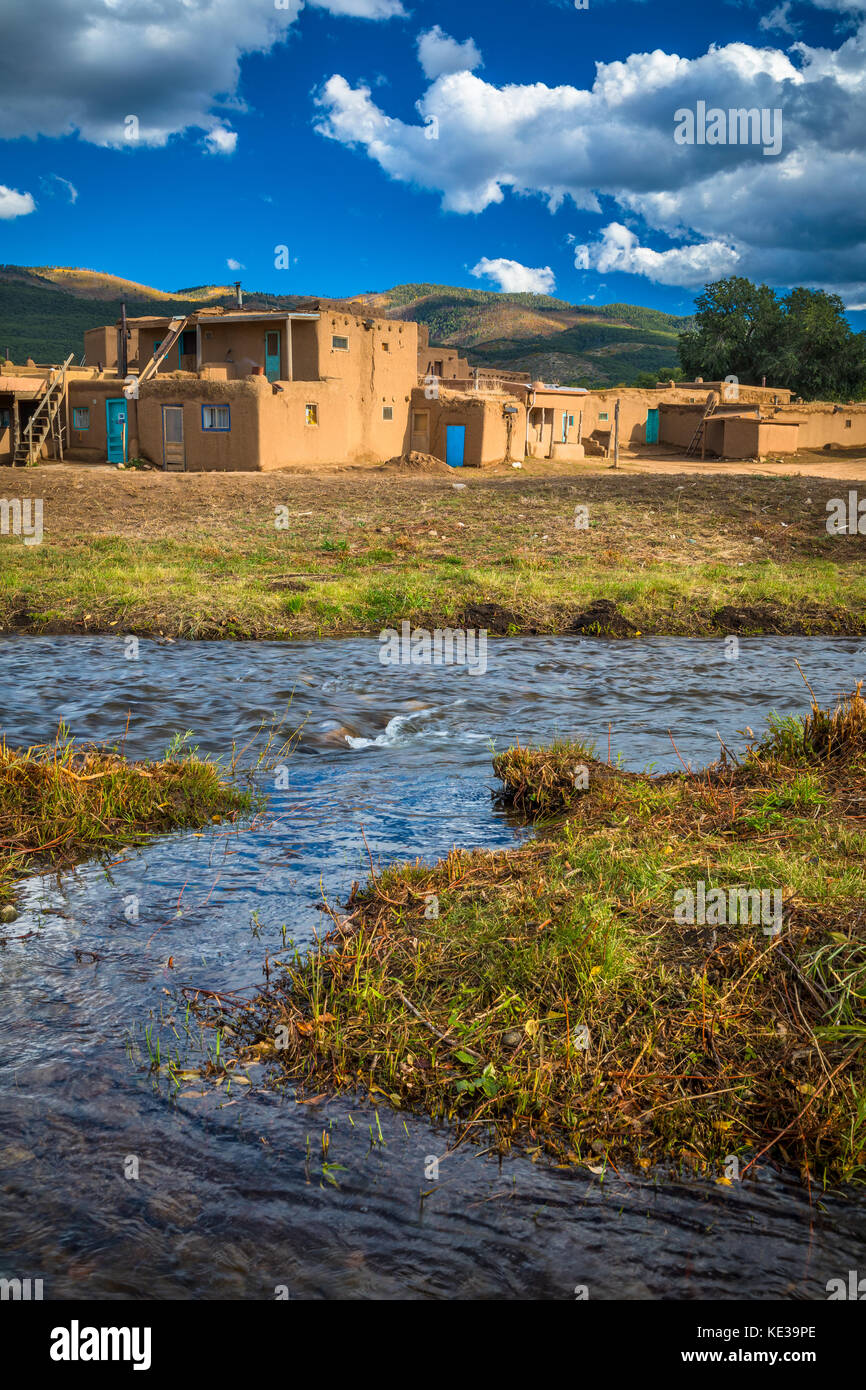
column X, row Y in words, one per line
column 22, row 385
column 240, row 316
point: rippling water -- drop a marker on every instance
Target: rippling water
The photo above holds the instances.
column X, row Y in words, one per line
column 230, row 1201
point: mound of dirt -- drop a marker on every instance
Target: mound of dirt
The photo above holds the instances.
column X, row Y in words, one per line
column 602, row 618
column 420, row 463
column 493, row 617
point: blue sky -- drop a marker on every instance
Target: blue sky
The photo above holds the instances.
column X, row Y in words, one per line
column 537, row 150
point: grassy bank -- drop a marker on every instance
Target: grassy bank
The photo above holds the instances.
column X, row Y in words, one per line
column 201, row 555
column 61, row 803
column 554, row 999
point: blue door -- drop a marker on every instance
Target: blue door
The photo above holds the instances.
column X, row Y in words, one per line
column 652, row 427
column 272, row 356
column 455, row 442
column 116, row 430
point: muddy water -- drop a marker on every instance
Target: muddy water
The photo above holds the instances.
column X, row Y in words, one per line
column 230, row 1199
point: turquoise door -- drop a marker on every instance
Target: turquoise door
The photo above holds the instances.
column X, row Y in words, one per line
column 652, row 427
column 116, row 430
column 455, row 442
column 272, row 356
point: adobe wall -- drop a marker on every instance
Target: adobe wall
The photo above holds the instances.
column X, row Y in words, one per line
column 379, row 370
column 486, row 441
column 453, row 366
column 100, row 345
column 677, row 423
column 823, row 423
column 239, row 344
column 236, row 449
column 91, row 446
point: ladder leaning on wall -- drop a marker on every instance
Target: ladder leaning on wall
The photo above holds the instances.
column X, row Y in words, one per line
column 697, row 440
column 44, row 420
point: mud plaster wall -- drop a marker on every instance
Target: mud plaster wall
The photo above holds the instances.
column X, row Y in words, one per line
column 379, row 370
column 821, row 423
column 486, row 438
column 211, row 450
column 100, row 345
column 92, row 444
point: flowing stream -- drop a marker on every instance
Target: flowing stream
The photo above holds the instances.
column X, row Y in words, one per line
column 230, row 1200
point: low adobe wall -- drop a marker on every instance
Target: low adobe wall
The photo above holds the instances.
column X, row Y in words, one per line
column 494, row 425
column 205, row 450
column 822, row 423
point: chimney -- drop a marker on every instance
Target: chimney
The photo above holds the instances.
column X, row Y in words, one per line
column 123, row 363
column 239, row 294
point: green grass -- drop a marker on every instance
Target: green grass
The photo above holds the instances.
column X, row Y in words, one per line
column 172, row 588
column 62, row 802
column 549, row 998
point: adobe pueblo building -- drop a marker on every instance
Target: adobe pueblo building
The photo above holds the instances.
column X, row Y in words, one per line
column 257, row 389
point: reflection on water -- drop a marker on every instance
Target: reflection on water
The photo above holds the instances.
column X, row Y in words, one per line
column 230, row 1200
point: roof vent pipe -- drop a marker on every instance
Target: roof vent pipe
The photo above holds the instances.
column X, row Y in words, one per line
column 239, row 294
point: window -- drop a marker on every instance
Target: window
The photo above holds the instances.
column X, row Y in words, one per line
column 387, row 412
column 156, row 344
column 5, row 419
column 602, row 415
column 571, row 422
column 847, row 424
column 81, row 417
column 311, row 414
column 187, row 342
column 386, row 347
column 338, row 343
column 216, row 417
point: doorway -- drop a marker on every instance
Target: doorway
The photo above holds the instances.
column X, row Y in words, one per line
column 455, row 445
column 272, row 355
column 173, row 452
column 116, row 430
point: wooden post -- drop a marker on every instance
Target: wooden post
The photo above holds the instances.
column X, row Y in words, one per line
column 616, row 435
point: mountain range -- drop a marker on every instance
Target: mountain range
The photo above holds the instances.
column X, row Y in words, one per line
column 44, row 311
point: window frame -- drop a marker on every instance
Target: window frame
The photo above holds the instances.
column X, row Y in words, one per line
column 388, row 413
column 339, row 338
column 77, row 410
column 311, row 407
column 216, row 429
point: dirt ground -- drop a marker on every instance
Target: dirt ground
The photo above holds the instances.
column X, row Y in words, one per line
column 143, row 503
column 665, row 550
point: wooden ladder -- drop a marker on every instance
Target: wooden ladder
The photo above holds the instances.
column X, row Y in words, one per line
column 43, row 419
column 175, row 328
column 698, row 436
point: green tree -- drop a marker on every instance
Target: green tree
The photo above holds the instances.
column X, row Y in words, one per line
column 802, row 341
column 736, row 332
column 819, row 356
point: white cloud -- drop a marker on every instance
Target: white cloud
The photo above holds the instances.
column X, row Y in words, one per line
column 438, row 53
column 514, row 277
column 221, row 140
column 361, row 9
column 49, row 185
column 619, row 249
column 779, row 19
column 235, row 265
column 15, row 204
column 173, row 64
column 799, row 216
